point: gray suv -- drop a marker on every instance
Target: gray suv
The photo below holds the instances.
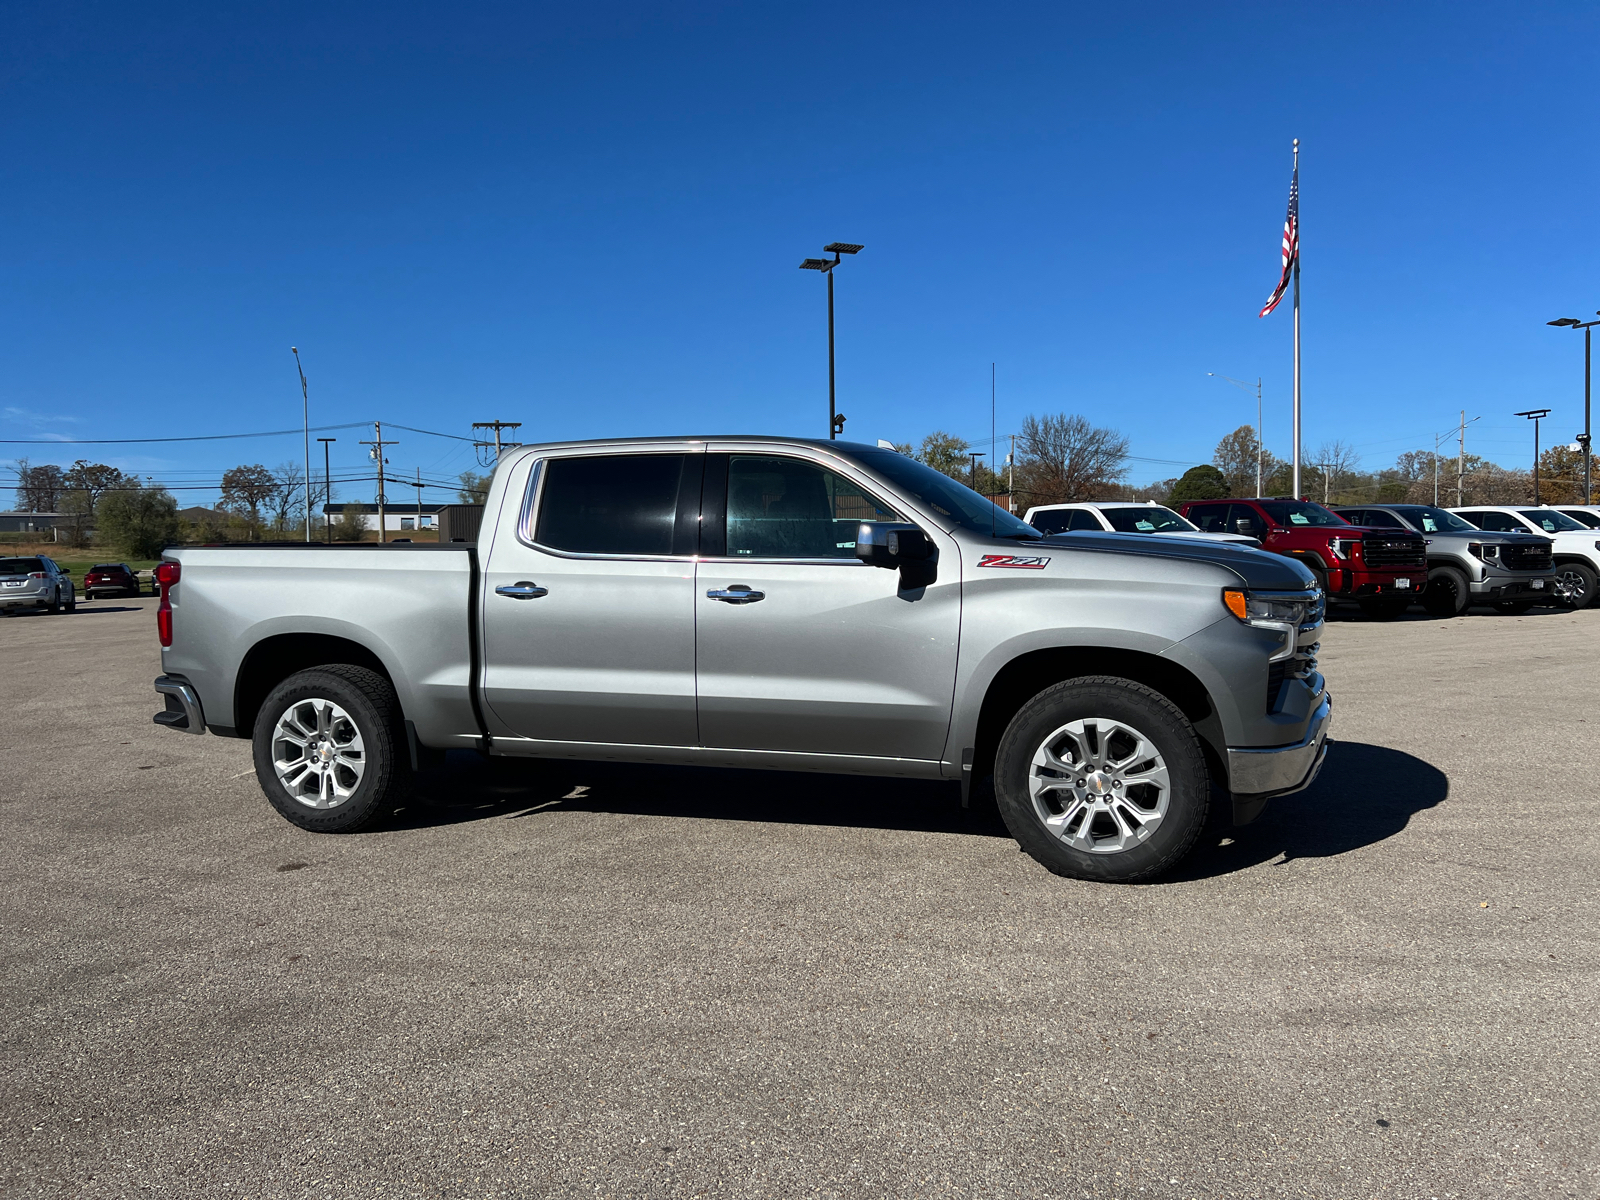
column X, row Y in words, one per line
column 34, row 581
column 1467, row 565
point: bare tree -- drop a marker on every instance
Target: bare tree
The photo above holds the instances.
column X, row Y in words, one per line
column 1238, row 457
column 39, row 488
column 288, row 497
column 474, row 487
column 1338, row 461
column 1064, row 458
column 83, row 484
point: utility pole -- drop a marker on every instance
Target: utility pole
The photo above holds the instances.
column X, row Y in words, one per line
column 1436, row 470
column 327, row 487
column 1011, row 476
column 497, row 426
column 377, row 453
column 419, row 499
column 1461, row 460
column 305, row 412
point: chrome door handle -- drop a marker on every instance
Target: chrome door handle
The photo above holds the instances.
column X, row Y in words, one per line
column 523, row 589
column 737, row 594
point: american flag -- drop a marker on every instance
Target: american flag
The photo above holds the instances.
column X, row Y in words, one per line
column 1291, row 243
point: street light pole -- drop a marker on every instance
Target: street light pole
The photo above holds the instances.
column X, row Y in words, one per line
column 327, row 488
column 976, row 455
column 305, row 413
column 1535, row 415
column 1261, row 450
column 1587, row 327
column 826, row 265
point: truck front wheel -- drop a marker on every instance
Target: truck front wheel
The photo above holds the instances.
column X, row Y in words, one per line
column 1102, row 778
column 328, row 748
column 1575, row 583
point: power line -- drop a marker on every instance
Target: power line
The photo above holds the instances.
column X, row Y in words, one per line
column 208, row 437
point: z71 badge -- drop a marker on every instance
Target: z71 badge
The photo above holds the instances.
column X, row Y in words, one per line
column 1013, row 560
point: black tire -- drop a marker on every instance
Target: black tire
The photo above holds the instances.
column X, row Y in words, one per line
column 72, row 602
column 1576, row 583
column 1447, row 593
column 369, row 702
column 1042, row 721
column 1513, row 608
column 54, row 606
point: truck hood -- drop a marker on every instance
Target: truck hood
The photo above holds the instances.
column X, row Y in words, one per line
column 1258, row 569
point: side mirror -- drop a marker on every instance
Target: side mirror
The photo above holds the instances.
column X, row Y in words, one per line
column 66, row 570
column 900, row 547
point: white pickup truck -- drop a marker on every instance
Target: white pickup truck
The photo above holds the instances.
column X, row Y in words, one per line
column 762, row 602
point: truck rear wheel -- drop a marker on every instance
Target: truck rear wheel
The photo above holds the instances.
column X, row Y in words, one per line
column 328, row 748
column 1102, row 778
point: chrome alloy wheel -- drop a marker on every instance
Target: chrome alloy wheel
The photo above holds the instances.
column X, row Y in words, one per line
column 317, row 753
column 1099, row 785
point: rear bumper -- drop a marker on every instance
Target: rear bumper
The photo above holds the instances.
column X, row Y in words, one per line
column 183, row 709
column 1255, row 775
column 24, row 599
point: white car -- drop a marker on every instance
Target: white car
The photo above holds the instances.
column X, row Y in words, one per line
column 1577, row 547
column 1583, row 514
column 1124, row 517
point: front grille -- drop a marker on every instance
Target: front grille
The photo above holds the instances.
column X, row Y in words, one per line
column 1390, row 551
column 1534, row 557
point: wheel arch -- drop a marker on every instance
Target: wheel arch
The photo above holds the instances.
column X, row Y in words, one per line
column 1030, row 673
column 272, row 660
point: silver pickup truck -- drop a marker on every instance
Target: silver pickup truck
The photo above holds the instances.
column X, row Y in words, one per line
column 775, row 603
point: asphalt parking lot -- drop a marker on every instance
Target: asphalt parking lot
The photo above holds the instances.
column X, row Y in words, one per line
column 633, row 982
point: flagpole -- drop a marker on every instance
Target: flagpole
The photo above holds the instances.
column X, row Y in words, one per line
column 1297, row 334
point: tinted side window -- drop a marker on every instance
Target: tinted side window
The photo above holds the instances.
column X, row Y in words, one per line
column 1379, row 519
column 610, row 504
column 1246, row 520
column 1496, row 522
column 1082, row 518
column 789, row 508
column 1212, row 518
column 1052, row 522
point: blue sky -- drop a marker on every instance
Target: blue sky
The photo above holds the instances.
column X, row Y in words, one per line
column 589, row 218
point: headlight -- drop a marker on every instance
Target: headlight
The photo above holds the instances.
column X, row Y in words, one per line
column 1343, row 547
column 1267, row 611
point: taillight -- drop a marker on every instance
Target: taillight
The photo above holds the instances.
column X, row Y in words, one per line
column 167, row 574
column 35, row 574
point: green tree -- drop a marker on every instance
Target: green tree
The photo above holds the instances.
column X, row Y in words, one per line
column 474, row 487
column 1204, row 482
column 351, row 525
column 245, row 491
column 1561, row 475
column 83, row 484
column 139, row 522
column 948, row 453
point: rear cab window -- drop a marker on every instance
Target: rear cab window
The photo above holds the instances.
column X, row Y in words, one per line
column 619, row 504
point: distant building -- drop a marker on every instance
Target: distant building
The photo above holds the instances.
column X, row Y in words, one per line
column 32, row 522
column 397, row 517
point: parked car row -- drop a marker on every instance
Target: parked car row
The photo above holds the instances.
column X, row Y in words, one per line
column 1385, row 557
column 38, row 581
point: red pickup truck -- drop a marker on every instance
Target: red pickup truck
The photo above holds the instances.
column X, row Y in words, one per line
column 1382, row 570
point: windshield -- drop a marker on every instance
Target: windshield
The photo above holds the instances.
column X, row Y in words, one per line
column 20, row 566
column 1550, row 521
column 1435, row 520
column 955, row 502
column 1294, row 514
column 1146, row 519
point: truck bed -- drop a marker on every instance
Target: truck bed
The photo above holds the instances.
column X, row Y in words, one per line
column 410, row 607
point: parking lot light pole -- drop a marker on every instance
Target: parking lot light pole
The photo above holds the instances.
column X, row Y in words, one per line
column 1535, row 415
column 1586, row 326
column 826, row 266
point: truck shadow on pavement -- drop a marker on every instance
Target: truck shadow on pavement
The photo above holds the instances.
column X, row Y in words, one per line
column 1365, row 794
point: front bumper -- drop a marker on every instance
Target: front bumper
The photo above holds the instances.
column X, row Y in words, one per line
column 183, row 709
column 1501, row 587
column 1255, row 775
